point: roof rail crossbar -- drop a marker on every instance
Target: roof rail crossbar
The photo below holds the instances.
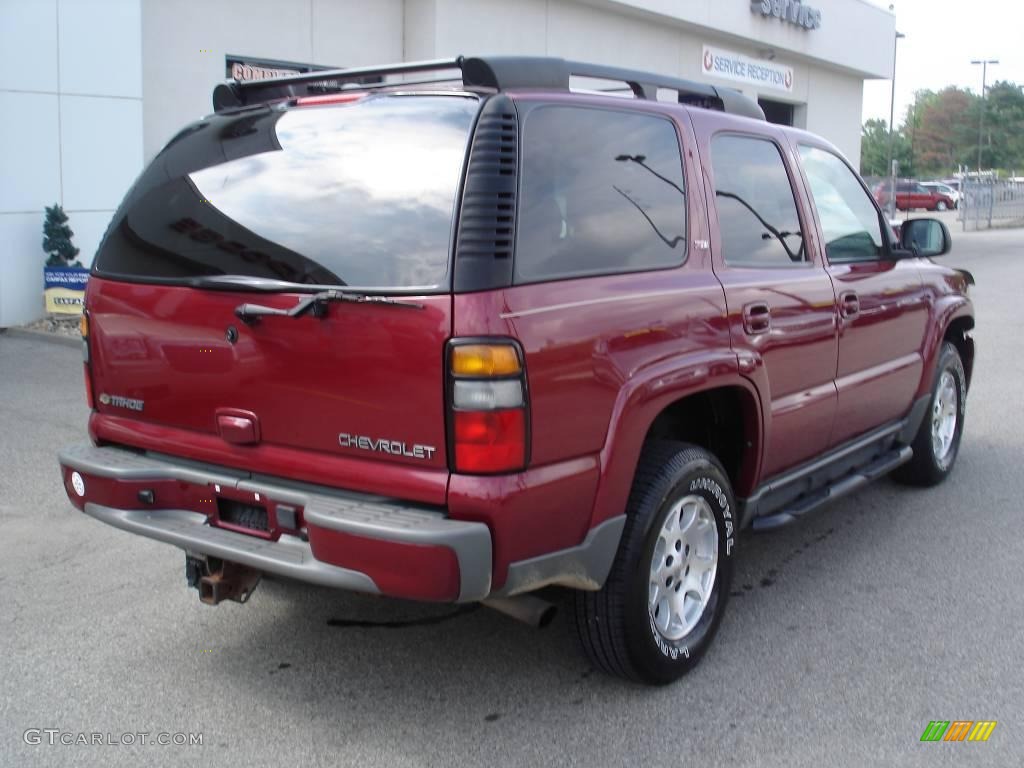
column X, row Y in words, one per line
column 498, row 73
column 235, row 93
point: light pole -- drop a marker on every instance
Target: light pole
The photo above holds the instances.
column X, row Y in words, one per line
column 981, row 119
column 892, row 118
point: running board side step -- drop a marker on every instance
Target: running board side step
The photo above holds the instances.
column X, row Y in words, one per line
column 861, row 477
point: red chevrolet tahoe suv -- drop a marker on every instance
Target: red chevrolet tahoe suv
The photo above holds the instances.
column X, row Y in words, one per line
column 463, row 338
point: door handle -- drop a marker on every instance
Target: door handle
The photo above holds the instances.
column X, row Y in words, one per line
column 757, row 318
column 849, row 304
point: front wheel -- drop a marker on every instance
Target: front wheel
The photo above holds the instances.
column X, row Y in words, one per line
column 941, row 205
column 661, row 605
column 938, row 439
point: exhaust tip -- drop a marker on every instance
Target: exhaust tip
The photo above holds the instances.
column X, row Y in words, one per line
column 528, row 609
column 547, row 616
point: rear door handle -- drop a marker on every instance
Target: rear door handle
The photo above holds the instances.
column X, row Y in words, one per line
column 757, row 318
column 849, row 304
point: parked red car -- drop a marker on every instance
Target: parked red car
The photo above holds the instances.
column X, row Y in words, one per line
column 911, row 196
column 458, row 343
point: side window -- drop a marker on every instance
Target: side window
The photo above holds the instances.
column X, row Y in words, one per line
column 602, row 192
column 849, row 220
column 757, row 212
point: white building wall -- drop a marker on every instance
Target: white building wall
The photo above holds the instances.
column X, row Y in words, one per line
column 841, row 41
column 110, row 81
column 669, row 38
column 832, row 100
column 186, row 42
column 71, row 97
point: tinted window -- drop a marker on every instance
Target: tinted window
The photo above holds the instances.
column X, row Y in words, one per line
column 757, row 213
column 602, row 192
column 849, row 220
column 358, row 194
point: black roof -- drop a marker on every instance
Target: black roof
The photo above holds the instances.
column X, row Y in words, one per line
column 499, row 73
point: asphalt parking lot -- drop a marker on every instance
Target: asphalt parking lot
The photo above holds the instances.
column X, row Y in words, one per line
column 848, row 633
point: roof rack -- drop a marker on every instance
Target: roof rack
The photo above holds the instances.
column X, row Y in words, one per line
column 499, row 73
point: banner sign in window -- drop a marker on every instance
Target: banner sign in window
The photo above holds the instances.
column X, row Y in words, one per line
column 65, row 289
column 761, row 73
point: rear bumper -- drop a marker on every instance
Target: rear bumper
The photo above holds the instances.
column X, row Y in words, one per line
column 365, row 544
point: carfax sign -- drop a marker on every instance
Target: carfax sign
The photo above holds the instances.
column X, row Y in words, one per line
column 65, row 289
column 761, row 73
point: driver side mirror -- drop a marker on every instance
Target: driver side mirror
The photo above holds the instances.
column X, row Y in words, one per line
column 925, row 237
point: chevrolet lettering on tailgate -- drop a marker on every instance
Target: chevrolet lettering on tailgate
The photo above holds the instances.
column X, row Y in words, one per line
column 383, row 445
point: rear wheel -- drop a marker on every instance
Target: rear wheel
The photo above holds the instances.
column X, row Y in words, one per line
column 938, row 440
column 664, row 598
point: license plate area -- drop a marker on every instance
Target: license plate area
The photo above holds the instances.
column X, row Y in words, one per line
column 245, row 516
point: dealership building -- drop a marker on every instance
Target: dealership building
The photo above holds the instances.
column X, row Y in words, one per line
column 92, row 89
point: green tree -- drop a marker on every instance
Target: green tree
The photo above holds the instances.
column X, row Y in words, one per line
column 57, row 239
column 1003, row 140
column 874, row 149
column 940, row 133
column 945, row 130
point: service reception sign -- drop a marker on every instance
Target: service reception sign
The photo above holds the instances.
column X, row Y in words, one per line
column 759, row 73
column 65, row 289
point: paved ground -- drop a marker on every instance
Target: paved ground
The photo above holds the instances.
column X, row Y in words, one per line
column 853, row 630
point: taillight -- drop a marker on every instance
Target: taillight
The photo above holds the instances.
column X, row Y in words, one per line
column 487, row 406
column 83, row 326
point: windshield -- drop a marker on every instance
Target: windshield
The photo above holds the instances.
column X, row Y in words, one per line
column 357, row 194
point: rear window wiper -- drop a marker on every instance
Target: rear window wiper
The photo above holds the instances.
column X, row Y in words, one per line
column 316, row 303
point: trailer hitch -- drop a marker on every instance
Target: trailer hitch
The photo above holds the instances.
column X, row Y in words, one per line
column 218, row 580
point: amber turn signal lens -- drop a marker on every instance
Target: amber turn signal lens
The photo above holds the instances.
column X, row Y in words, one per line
column 485, row 360
column 83, row 326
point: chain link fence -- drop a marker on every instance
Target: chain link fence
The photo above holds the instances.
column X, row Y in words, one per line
column 988, row 203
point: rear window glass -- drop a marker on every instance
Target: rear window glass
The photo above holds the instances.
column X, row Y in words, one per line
column 757, row 215
column 602, row 192
column 359, row 194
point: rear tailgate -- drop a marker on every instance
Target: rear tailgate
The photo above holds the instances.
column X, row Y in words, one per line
column 178, row 356
column 266, row 207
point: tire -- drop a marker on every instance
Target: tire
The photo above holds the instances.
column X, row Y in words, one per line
column 941, row 205
column 616, row 625
column 936, row 448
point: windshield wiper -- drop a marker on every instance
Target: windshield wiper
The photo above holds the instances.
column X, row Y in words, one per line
column 243, row 283
column 317, row 304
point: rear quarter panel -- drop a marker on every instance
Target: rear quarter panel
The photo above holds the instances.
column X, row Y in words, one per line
column 604, row 355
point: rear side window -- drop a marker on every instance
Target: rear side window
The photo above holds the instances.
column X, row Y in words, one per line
column 359, row 194
column 757, row 213
column 602, row 192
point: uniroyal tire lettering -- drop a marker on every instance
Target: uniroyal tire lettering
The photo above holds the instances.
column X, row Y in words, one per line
column 707, row 484
column 962, row 380
column 671, row 651
column 710, row 486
